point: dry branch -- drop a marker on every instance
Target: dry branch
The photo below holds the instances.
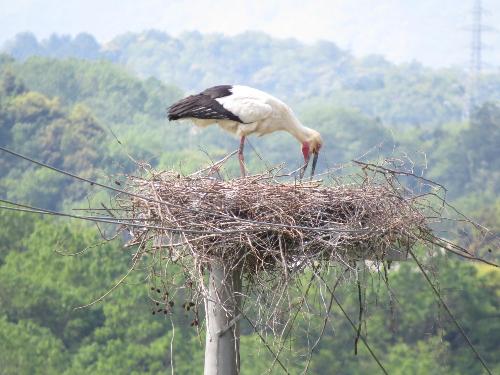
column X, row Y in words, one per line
column 260, row 223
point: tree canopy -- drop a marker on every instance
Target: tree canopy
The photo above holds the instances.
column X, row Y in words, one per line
column 91, row 109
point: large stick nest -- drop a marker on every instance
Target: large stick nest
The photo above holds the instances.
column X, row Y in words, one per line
column 258, row 222
column 293, row 241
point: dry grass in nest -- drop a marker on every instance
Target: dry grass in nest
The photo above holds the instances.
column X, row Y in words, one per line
column 260, row 223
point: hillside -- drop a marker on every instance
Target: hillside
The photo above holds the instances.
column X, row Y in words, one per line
column 92, row 116
column 399, row 95
column 44, row 101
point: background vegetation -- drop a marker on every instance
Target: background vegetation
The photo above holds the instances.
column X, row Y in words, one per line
column 91, row 109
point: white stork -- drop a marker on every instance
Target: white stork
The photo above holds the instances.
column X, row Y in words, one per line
column 243, row 110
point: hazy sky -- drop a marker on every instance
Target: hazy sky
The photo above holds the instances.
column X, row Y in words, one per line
column 431, row 31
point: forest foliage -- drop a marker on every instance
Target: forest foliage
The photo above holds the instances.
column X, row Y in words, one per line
column 96, row 109
column 400, row 95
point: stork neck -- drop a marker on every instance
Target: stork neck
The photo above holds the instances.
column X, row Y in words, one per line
column 300, row 132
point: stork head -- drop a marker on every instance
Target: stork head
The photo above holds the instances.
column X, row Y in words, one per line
column 311, row 146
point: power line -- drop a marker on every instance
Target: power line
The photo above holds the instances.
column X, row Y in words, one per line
column 461, row 330
column 107, row 220
column 363, row 339
column 224, row 216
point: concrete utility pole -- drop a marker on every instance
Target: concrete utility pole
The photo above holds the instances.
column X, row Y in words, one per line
column 222, row 347
column 222, row 314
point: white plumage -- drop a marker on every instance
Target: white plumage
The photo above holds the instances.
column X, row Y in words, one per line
column 243, row 110
column 250, row 105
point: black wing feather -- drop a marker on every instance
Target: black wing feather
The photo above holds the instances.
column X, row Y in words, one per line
column 203, row 106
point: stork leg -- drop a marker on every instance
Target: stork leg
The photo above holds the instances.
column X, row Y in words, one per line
column 241, row 158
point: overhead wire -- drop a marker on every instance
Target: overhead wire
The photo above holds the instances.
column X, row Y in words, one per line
column 447, row 309
column 117, row 190
column 353, row 325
